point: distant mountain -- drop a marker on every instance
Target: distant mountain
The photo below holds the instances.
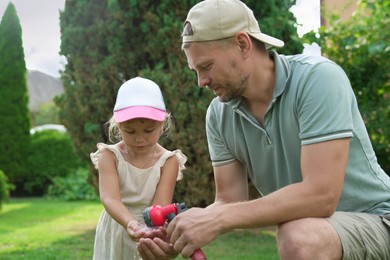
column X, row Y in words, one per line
column 42, row 88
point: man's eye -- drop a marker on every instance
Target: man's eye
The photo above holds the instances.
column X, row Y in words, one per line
column 206, row 67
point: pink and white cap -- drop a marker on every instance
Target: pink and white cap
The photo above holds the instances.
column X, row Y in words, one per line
column 139, row 98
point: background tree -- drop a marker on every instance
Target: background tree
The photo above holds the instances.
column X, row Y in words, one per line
column 14, row 113
column 5, row 188
column 360, row 45
column 107, row 43
column 89, row 76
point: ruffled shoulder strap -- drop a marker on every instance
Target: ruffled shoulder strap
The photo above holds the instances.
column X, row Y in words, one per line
column 100, row 147
column 180, row 157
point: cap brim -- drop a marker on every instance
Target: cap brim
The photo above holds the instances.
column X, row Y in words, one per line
column 268, row 40
column 139, row 112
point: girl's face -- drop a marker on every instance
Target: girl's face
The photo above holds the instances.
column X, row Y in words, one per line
column 141, row 135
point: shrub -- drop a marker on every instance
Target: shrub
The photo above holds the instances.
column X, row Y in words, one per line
column 48, row 113
column 5, row 188
column 72, row 187
column 52, row 155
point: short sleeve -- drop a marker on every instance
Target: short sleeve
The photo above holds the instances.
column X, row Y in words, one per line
column 182, row 160
column 100, row 147
column 324, row 106
column 219, row 152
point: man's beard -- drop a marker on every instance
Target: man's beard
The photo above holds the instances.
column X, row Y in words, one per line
column 235, row 90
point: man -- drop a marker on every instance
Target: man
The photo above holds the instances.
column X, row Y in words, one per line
column 291, row 123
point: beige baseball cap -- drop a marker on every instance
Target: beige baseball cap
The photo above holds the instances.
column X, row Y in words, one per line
column 218, row 19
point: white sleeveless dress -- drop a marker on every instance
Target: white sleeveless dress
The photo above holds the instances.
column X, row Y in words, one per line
column 137, row 188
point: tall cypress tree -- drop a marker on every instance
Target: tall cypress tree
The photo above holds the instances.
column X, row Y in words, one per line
column 14, row 114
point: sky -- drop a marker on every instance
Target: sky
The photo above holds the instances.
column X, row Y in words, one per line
column 41, row 35
column 39, row 20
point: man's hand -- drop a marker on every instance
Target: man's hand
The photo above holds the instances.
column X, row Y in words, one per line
column 192, row 229
column 155, row 249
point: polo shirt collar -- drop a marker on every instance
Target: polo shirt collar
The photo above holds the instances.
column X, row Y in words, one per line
column 282, row 72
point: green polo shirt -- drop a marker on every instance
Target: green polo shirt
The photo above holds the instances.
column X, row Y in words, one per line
column 312, row 102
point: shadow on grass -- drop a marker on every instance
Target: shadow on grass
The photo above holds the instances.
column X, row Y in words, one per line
column 78, row 247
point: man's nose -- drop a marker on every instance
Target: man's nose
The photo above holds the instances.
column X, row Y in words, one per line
column 203, row 80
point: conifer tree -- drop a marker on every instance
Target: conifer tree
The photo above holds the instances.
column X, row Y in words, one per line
column 14, row 113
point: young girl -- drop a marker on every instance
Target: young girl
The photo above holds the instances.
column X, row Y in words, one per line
column 135, row 172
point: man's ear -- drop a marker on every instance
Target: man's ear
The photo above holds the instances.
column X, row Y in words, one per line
column 244, row 42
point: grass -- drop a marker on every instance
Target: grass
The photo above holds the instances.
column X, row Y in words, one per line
column 46, row 229
column 243, row 244
column 36, row 228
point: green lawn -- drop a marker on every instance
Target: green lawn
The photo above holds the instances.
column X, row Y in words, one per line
column 36, row 228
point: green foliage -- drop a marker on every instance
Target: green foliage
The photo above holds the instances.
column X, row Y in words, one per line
column 14, row 113
column 5, row 188
column 360, row 45
column 276, row 20
column 91, row 75
column 48, row 113
column 52, row 155
column 72, row 187
column 108, row 43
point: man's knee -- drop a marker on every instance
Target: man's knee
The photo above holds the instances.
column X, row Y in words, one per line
column 291, row 241
column 308, row 238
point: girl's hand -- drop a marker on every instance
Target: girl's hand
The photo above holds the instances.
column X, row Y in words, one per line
column 137, row 230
